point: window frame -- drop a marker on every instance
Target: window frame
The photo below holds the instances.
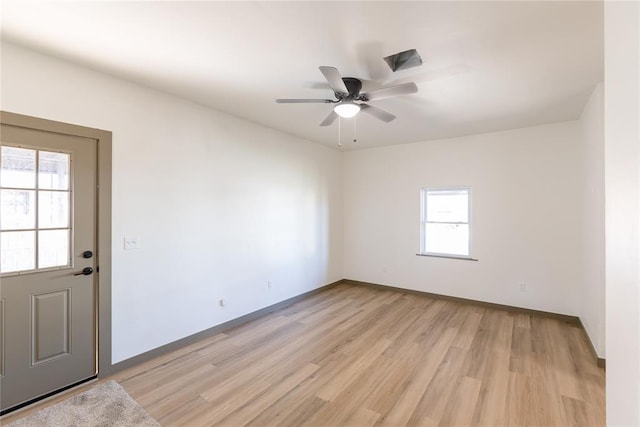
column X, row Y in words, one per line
column 424, row 191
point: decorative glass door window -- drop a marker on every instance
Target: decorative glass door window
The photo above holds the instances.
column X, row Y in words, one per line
column 35, row 209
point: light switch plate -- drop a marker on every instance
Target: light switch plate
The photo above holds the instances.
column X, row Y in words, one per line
column 131, row 243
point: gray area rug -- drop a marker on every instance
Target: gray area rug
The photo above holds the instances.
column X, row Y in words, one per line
column 106, row 404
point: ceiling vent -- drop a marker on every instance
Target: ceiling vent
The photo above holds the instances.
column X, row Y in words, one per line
column 403, row 60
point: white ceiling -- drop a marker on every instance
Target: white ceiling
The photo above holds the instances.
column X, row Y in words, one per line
column 487, row 66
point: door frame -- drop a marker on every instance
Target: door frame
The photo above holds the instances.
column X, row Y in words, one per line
column 103, row 232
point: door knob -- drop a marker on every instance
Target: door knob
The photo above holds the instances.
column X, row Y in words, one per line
column 85, row 272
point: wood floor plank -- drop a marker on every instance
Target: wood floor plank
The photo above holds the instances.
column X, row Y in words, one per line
column 433, row 354
column 148, row 381
column 362, row 417
column 372, row 379
column 172, row 417
column 519, row 401
column 349, row 373
column 253, row 408
column 469, row 327
column 171, row 387
column 219, row 408
column 295, row 415
column 167, row 358
column 577, row 412
column 490, row 408
column 436, row 397
column 461, row 404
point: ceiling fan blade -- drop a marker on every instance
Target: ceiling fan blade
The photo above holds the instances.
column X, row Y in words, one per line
column 329, row 119
column 388, row 92
column 335, row 79
column 304, row 101
column 377, row 113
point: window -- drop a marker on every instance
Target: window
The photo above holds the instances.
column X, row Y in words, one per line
column 35, row 209
column 445, row 222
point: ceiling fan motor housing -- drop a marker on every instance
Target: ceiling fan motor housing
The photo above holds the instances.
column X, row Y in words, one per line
column 354, row 86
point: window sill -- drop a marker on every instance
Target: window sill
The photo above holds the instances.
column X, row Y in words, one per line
column 463, row 258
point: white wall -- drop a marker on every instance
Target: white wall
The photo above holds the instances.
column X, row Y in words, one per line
column 622, row 210
column 220, row 205
column 527, row 195
column 592, row 290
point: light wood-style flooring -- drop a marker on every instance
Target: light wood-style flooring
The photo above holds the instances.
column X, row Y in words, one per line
column 359, row 356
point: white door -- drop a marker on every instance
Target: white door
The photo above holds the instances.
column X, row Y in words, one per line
column 48, row 241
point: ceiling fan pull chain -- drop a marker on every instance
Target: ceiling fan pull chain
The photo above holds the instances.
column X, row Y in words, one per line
column 354, row 129
column 339, row 132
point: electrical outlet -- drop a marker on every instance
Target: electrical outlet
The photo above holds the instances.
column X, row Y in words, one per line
column 269, row 284
column 221, row 303
column 523, row 287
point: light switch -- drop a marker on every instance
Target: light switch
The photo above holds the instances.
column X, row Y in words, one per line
column 131, row 243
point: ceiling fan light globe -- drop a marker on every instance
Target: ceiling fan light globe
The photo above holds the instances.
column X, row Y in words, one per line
column 346, row 109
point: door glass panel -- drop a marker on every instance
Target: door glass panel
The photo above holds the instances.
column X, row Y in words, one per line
column 35, row 209
column 53, row 248
column 53, row 171
column 17, row 209
column 18, row 251
column 53, row 209
column 18, row 167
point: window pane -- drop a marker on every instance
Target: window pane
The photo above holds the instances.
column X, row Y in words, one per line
column 18, row 167
column 53, row 248
column 17, row 209
column 53, row 209
column 447, row 238
column 18, row 251
column 53, row 171
column 448, row 206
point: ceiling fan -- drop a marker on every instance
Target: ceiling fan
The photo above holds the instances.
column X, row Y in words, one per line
column 349, row 101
